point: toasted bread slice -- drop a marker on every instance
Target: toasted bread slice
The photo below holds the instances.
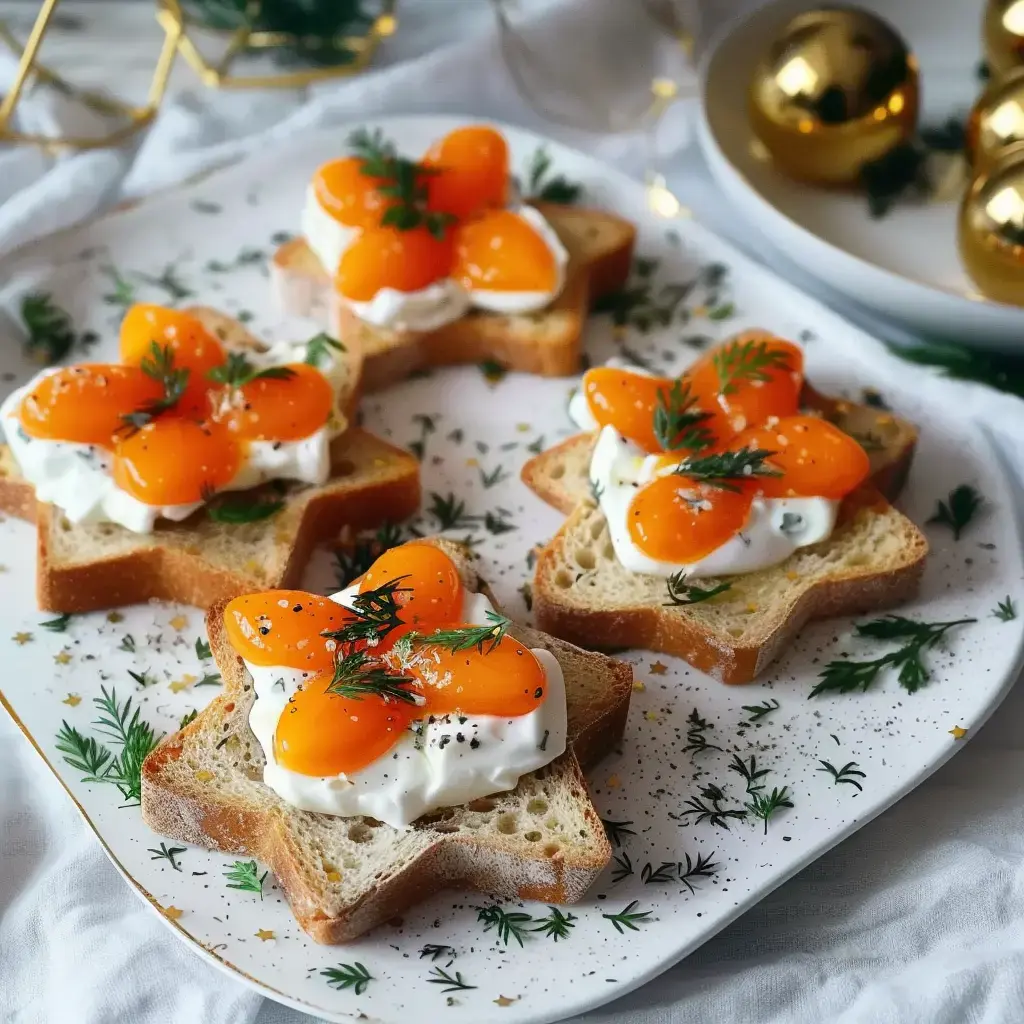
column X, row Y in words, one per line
column 547, row 342
column 873, row 560
column 561, row 475
column 85, row 567
column 343, row 876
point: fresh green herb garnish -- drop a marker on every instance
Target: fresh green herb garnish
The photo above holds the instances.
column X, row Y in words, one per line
column 83, row 753
column 236, row 510
column 237, row 371
column 763, row 806
column 494, row 477
column 51, row 334
column 144, row 679
column 758, row 711
column 998, row 370
column 358, row 675
column 247, row 257
column 351, row 563
column 623, row 867
column 745, row 362
column 1005, row 611
column 749, row 772
column 848, row 774
column 629, row 917
column 127, row 643
column 185, row 719
column 427, row 427
column 543, row 188
column 158, row 365
column 682, row 593
column 722, row 468
column 509, row 925
column 712, row 810
column 450, row 512
column 696, row 741
column 168, row 853
column 245, row 875
column 203, row 652
column 435, row 951
column 123, row 294
column 723, row 312
column 456, row 984
column 526, row 593
column 377, row 614
column 846, row 676
column 959, row 509
column 319, row 346
column 659, row 875
column 556, row 925
column 496, row 522
column 169, row 282
column 703, row 867
column 404, row 181
column 354, row 976
column 210, row 679
column 57, row 625
column 467, row 637
column 615, row 830
column 678, row 422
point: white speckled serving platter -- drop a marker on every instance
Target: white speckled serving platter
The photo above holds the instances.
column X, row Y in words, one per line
column 209, row 243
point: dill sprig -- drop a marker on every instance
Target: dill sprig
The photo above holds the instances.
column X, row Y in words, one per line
column 319, row 347
column 848, row 774
column 764, row 805
column 508, row 925
column 542, row 187
column 57, row 625
column 237, row 371
column 450, row 512
column 712, row 810
column 453, row 984
column 682, row 593
column 245, row 875
column 358, row 675
column 167, row 853
column 83, row 753
column 203, row 651
column 159, row 365
column 629, row 917
column 679, row 422
column 696, row 741
column 1005, row 611
column 186, row 719
column 959, row 509
column 651, row 875
column 623, row 867
column 51, row 334
column 350, row 562
column 759, row 711
column 403, row 181
column 615, row 830
column 556, row 925
column 467, row 637
column 703, row 867
column 843, row 676
column 377, row 613
column 749, row 772
column 354, row 976
column 723, row 468
column 744, row 362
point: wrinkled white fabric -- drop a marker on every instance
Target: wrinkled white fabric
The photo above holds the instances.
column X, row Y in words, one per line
column 917, row 918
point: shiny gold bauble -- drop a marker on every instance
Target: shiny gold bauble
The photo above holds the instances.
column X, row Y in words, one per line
column 1003, row 31
column 991, row 229
column 997, row 120
column 836, row 89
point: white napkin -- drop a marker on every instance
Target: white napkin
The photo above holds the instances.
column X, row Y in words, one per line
column 919, row 917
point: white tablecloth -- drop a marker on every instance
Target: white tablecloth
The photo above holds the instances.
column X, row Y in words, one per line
column 918, row 917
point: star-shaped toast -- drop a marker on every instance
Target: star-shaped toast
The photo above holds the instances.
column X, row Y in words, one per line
column 343, row 876
column 548, row 342
column 86, row 567
column 873, row 560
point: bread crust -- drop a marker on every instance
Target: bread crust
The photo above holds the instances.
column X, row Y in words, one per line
column 549, row 346
column 443, row 857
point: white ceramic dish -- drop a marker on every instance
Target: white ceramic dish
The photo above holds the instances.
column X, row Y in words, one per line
column 904, row 266
column 471, row 428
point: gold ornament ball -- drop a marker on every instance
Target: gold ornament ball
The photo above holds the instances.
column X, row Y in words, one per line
column 1003, row 32
column 991, row 229
column 997, row 121
column 836, row 89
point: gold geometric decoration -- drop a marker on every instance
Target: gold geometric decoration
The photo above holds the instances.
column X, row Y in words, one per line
column 244, row 40
column 30, row 69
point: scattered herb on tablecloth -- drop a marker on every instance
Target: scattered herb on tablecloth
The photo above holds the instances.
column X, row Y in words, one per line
column 203, row 651
column 848, row 774
column 629, row 917
column 186, row 719
column 844, row 676
column 248, row 256
column 508, row 924
column 702, row 867
column 615, row 830
column 436, row 951
column 57, row 625
column 51, row 334
column 453, row 984
column 123, row 294
column 959, row 509
column 749, row 772
column 168, row 853
column 427, row 425
column 169, row 281
column 210, row 679
column 526, row 593
column 623, row 867
column 759, row 711
column 709, row 807
column 660, row 875
column 354, row 976
column 143, row 678
column 541, row 186
column 696, row 741
column 1005, row 610
column 557, row 925
column 495, row 476
column 764, row 805
column 351, row 561
column 127, row 643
